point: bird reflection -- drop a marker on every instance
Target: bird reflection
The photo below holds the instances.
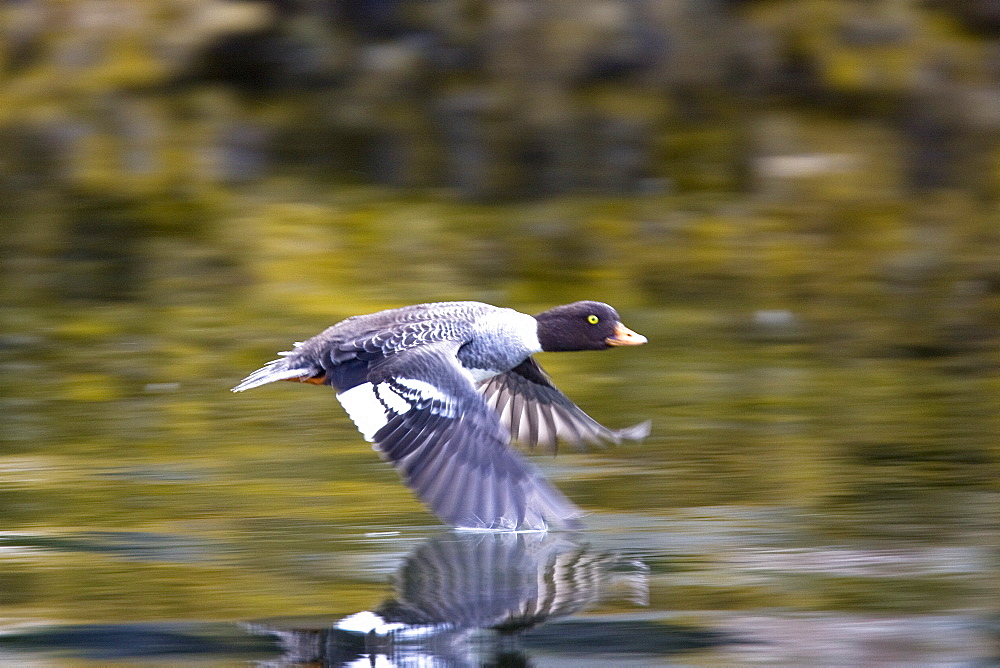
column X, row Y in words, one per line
column 460, row 596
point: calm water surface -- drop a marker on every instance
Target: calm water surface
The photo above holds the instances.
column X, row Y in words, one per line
column 795, row 503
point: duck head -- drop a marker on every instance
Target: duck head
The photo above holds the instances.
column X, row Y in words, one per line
column 584, row 326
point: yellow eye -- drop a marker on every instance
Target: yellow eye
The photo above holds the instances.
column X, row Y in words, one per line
column 593, row 319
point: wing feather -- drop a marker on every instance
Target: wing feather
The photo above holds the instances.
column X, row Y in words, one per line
column 529, row 398
column 451, row 448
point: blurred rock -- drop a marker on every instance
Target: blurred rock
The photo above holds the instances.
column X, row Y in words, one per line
column 243, row 152
column 205, row 26
column 775, row 325
column 804, row 165
column 250, row 62
column 935, row 130
column 372, row 19
column 622, row 155
column 628, row 47
column 868, row 31
column 552, row 160
column 470, row 159
column 496, row 99
column 754, row 63
column 983, row 14
column 982, row 100
column 692, row 44
column 24, row 33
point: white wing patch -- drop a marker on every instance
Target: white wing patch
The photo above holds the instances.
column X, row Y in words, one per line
column 394, row 401
column 423, row 391
column 370, row 406
column 366, row 410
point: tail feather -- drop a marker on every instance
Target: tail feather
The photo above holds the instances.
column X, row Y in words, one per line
column 272, row 371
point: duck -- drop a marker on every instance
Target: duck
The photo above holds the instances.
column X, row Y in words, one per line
column 442, row 389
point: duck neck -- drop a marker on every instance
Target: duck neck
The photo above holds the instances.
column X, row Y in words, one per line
column 550, row 336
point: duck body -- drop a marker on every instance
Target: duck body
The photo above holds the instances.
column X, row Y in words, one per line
column 441, row 388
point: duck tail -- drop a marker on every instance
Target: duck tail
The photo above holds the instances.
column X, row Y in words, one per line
column 280, row 369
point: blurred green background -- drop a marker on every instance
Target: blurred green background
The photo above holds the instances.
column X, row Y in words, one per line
column 796, row 201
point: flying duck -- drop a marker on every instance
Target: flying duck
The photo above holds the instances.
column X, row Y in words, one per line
column 441, row 389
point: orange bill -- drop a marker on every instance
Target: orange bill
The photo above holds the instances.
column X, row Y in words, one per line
column 624, row 336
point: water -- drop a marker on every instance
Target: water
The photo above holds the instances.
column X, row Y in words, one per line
column 812, row 491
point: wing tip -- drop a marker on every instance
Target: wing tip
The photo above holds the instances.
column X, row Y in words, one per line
column 542, row 523
column 636, row 432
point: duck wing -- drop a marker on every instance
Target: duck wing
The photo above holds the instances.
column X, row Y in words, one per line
column 342, row 355
column 422, row 411
column 537, row 413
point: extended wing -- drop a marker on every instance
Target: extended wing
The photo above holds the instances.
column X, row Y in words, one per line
column 422, row 412
column 537, row 413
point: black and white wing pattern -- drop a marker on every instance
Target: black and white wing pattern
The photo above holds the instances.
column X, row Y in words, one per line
column 421, row 410
column 537, row 413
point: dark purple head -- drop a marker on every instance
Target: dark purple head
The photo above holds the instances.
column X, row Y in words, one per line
column 583, row 326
